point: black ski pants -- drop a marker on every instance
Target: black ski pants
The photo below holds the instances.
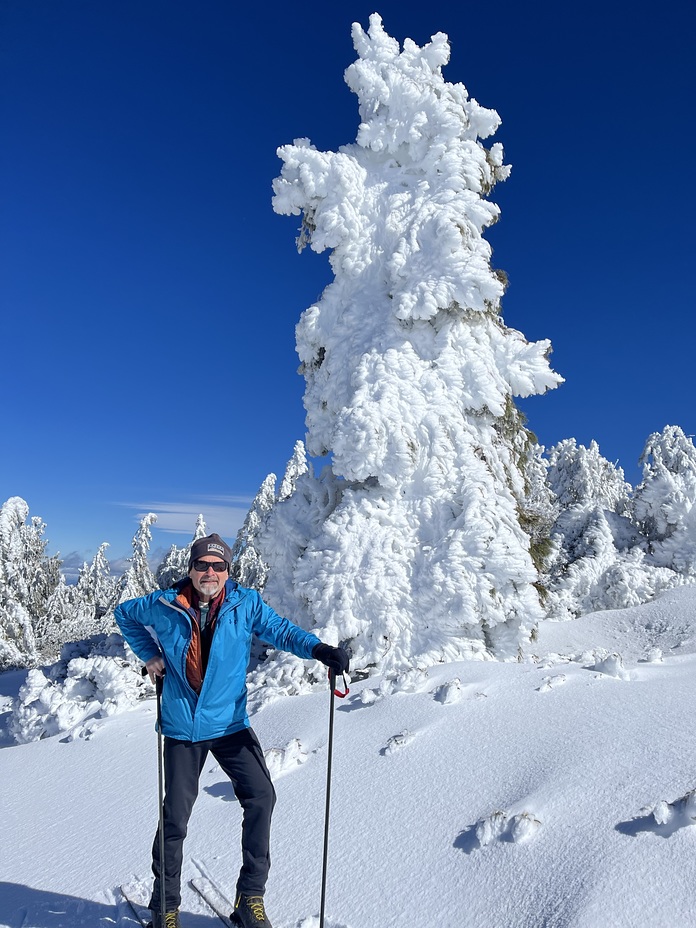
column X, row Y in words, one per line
column 241, row 758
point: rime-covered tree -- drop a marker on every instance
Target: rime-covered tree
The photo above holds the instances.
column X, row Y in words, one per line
column 139, row 580
column 295, row 468
column 248, row 567
column 409, row 545
column 28, row 574
column 66, row 618
column 28, row 577
column 665, row 501
column 598, row 562
column 17, row 642
column 175, row 564
column 579, row 475
column 96, row 587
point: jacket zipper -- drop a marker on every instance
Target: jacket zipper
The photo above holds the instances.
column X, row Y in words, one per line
column 184, row 612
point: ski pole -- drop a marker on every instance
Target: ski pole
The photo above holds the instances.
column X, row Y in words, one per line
column 159, row 681
column 160, row 777
column 340, row 694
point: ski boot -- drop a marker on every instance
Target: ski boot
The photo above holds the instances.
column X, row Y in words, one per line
column 249, row 912
column 171, row 920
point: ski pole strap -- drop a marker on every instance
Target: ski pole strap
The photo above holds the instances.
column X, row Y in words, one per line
column 332, row 683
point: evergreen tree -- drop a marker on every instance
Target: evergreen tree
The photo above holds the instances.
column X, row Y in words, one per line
column 579, row 475
column 175, row 565
column 66, row 618
column 296, row 466
column 96, row 587
column 664, row 502
column 598, row 562
column 28, row 577
column 248, row 568
column 409, row 546
column 17, row 642
column 139, row 580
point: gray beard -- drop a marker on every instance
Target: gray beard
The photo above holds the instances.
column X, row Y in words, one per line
column 208, row 590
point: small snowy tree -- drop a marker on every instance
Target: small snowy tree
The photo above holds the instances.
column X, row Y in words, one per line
column 17, row 642
column 664, row 501
column 248, row 567
column 96, row 587
column 175, row 564
column 139, row 580
column 28, row 577
column 598, row 562
column 409, row 546
column 296, row 466
column 66, row 618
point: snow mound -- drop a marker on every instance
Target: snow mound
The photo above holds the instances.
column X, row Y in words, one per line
column 92, row 680
column 612, row 666
column 411, row 681
column 665, row 813
column 449, row 693
column 668, row 623
column 281, row 760
column 663, row 818
column 398, row 742
column 550, row 683
column 500, row 826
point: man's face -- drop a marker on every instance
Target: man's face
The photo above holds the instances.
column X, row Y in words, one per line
column 208, row 582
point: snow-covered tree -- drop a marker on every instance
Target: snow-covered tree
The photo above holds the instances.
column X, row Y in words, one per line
column 17, row 642
column 67, row 617
column 597, row 562
column 664, row 500
column 296, row 466
column 248, row 568
column 175, row 564
column 96, row 586
column 409, row 545
column 28, row 577
column 139, row 580
column 579, row 475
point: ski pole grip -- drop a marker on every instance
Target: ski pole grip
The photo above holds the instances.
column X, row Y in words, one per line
column 159, row 681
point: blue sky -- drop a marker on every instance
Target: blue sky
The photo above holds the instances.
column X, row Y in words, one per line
column 149, row 294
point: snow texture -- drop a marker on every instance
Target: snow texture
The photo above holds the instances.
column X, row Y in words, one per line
column 569, row 807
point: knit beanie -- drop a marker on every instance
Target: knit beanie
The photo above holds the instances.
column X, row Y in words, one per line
column 211, row 544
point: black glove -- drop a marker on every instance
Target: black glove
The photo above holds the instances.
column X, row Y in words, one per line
column 334, row 658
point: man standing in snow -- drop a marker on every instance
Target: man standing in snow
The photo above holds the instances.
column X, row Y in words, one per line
column 204, row 626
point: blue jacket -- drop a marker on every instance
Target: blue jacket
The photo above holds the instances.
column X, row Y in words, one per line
column 220, row 708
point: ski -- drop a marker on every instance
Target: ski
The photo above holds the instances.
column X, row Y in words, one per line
column 214, row 899
column 141, row 912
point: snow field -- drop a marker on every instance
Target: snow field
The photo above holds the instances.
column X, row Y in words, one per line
column 516, row 805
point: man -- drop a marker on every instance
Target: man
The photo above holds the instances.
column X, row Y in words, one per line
column 204, row 626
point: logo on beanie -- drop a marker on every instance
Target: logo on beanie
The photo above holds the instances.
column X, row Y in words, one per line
column 218, row 548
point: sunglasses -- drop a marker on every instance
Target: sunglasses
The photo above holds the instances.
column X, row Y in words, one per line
column 202, row 566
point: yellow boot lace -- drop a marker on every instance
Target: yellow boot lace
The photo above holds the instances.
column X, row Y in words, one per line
column 171, row 919
column 255, row 905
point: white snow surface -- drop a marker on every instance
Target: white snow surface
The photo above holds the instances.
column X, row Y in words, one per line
column 557, row 791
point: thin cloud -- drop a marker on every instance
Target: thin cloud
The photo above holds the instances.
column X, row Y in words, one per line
column 222, row 514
